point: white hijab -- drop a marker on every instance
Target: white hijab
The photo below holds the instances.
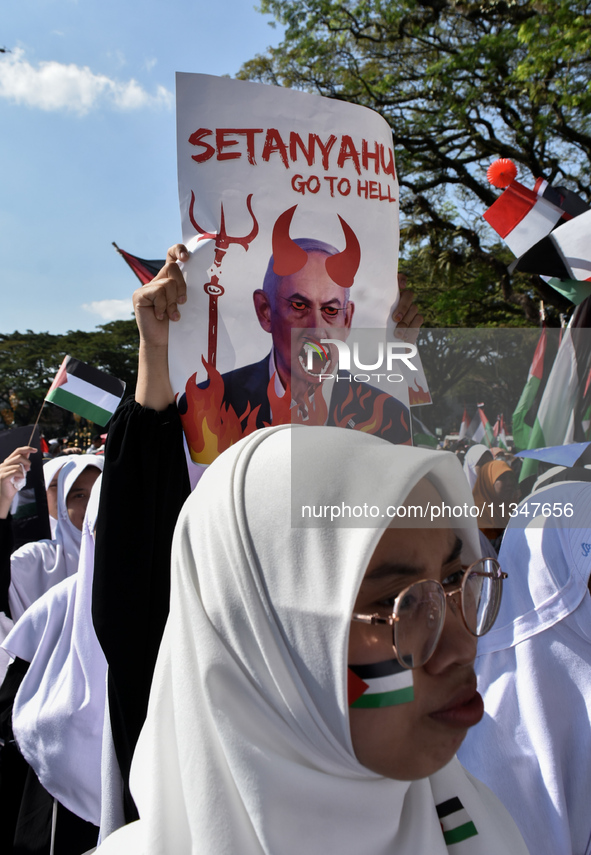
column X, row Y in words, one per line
column 50, row 469
column 534, row 671
column 246, row 747
column 471, row 459
column 59, row 707
column 36, row 567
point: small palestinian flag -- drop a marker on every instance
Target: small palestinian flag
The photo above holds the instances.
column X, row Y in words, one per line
column 480, row 430
column 455, row 822
column 464, row 425
column 86, row 391
column 382, row 684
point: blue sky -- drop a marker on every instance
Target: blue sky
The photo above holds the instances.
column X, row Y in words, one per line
column 87, row 144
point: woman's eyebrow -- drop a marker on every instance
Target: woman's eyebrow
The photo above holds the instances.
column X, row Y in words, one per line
column 392, row 569
column 455, row 552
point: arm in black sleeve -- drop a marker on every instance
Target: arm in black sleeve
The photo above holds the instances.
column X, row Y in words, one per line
column 145, row 483
column 6, row 544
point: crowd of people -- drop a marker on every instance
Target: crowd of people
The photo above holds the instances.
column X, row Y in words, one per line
column 187, row 671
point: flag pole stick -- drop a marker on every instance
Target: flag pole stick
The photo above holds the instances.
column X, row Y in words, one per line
column 36, row 422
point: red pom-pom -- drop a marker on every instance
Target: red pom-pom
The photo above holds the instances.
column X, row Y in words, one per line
column 502, row 172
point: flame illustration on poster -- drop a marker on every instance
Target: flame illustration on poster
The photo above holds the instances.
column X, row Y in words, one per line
column 289, row 208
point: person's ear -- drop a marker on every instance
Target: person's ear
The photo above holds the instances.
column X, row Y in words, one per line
column 349, row 310
column 262, row 307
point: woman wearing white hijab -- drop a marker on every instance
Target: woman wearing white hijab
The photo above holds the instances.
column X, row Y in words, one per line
column 37, row 566
column 51, row 470
column 55, row 701
column 249, row 746
column 59, row 708
column 534, row 670
column 476, row 457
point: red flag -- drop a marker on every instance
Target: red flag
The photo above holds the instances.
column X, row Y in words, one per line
column 144, row 269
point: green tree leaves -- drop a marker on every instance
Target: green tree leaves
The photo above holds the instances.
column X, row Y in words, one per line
column 460, row 83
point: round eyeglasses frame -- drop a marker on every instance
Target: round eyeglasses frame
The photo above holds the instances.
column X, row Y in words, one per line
column 394, row 619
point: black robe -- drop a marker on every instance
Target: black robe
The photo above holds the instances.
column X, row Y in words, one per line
column 145, row 483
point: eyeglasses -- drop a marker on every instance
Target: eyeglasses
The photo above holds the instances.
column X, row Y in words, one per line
column 418, row 613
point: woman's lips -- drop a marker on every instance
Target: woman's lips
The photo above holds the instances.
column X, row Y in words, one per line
column 464, row 711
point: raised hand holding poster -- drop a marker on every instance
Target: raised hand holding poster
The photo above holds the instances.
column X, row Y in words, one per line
column 289, row 206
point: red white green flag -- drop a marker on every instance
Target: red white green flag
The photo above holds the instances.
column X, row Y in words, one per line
column 500, row 433
column 564, row 403
column 521, row 429
column 554, row 424
column 480, row 430
column 465, row 425
column 86, row 391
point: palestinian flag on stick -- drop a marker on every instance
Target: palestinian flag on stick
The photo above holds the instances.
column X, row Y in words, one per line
column 501, row 434
column 521, row 429
column 480, row 430
column 465, row 425
column 558, row 420
column 144, row 270
column 86, row 391
column 382, row 684
column 421, row 435
column 455, row 821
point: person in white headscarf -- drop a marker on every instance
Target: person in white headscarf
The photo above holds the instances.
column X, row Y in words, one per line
column 532, row 747
column 258, row 738
column 36, row 567
column 51, row 470
column 59, row 708
column 57, row 713
column 476, row 457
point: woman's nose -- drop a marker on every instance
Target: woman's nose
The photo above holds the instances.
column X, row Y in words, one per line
column 457, row 645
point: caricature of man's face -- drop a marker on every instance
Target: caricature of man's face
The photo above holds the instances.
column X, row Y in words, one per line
column 306, row 300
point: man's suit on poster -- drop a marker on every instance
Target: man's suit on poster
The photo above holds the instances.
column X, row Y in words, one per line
column 248, row 385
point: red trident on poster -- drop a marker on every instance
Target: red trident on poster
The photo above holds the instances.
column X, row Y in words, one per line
column 213, row 287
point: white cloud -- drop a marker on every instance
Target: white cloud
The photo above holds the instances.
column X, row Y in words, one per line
column 55, row 86
column 110, row 310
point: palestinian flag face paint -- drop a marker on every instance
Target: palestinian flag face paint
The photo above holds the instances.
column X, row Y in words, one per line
column 381, row 684
column 455, row 821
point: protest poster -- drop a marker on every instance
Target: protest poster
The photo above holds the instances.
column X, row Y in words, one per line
column 266, row 171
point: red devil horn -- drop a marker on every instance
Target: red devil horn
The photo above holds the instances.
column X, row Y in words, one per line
column 288, row 257
column 342, row 267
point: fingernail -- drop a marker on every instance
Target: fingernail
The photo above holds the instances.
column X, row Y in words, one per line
column 398, row 316
column 182, row 300
column 176, row 316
